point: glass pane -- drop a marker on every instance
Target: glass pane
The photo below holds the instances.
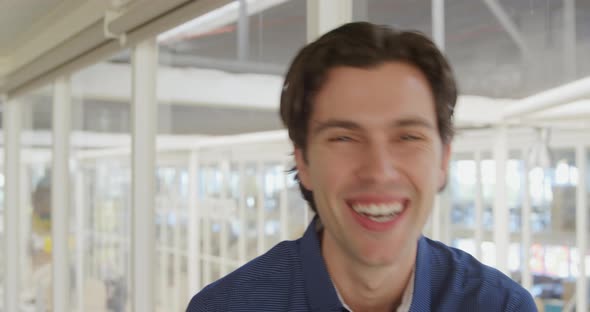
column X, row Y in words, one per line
column 251, row 186
column 36, row 206
column 273, row 184
column 553, row 198
column 299, row 211
column 220, row 74
column 402, row 14
column 462, row 184
column 171, row 228
column 101, row 179
column 491, row 61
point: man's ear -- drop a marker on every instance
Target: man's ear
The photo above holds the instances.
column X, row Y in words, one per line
column 302, row 168
column 444, row 166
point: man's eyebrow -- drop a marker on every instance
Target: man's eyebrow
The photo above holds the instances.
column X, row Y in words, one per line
column 412, row 122
column 320, row 126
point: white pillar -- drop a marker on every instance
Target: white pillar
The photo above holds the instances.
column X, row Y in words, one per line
column 479, row 206
column 438, row 217
column 60, row 193
column 582, row 229
column 527, row 278
column 80, row 196
column 194, row 230
column 11, row 120
column 323, row 16
column 501, row 219
column 144, row 110
column 26, row 211
column 438, row 23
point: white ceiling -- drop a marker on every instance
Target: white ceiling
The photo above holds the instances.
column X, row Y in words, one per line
column 29, row 26
column 19, row 17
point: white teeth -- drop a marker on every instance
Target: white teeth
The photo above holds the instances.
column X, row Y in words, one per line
column 382, row 218
column 379, row 210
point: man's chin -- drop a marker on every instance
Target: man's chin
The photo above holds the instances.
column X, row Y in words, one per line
column 378, row 258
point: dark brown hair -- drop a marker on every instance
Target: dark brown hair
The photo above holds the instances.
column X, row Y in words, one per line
column 362, row 45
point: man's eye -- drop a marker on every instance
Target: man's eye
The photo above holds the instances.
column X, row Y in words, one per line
column 409, row 137
column 341, row 138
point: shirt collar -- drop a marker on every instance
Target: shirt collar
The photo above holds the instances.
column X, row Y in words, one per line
column 407, row 296
column 422, row 287
column 321, row 292
column 318, row 285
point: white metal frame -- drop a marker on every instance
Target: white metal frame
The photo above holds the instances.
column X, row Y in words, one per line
column 479, row 205
column 144, row 112
column 582, row 228
column 211, row 157
column 194, row 230
column 323, row 16
column 12, row 133
column 527, row 279
column 438, row 23
column 509, row 26
column 501, row 217
column 60, row 194
column 81, row 237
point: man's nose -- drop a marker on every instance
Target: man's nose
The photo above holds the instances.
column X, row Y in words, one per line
column 378, row 164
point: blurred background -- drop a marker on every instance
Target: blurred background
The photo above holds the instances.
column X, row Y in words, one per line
column 87, row 85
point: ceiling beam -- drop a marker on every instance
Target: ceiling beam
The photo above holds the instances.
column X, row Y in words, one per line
column 4, row 67
column 509, row 26
column 564, row 94
column 64, row 22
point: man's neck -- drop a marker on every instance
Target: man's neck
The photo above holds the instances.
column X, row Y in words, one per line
column 364, row 287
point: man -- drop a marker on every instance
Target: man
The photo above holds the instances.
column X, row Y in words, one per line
column 369, row 110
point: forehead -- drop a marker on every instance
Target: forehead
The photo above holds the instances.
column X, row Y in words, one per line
column 389, row 90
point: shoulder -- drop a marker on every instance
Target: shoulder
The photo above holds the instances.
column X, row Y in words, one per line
column 457, row 274
column 271, row 274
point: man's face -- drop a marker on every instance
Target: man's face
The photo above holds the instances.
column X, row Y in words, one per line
column 375, row 160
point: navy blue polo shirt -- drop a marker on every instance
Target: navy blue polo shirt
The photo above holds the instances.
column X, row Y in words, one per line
column 292, row 276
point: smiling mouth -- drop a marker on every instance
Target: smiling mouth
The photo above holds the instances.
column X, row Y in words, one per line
column 381, row 213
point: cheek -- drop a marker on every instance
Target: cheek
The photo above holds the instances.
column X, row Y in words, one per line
column 329, row 171
column 422, row 168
